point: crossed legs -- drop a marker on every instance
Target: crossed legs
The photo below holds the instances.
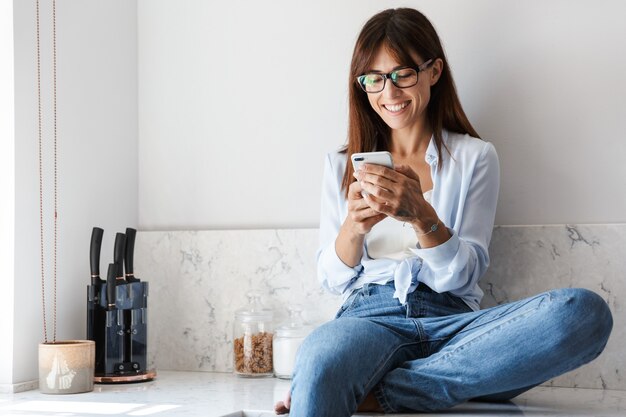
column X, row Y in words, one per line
column 434, row 363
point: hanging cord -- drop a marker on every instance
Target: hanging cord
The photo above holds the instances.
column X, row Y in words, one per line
column 41, row 223
column 56, row 214
column 43, row 286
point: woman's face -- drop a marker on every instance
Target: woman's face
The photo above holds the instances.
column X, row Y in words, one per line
column 402, row 108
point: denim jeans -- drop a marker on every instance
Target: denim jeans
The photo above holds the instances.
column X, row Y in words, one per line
column 434, row 352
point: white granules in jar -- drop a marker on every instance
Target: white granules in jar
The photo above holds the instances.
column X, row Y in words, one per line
column 285, row 350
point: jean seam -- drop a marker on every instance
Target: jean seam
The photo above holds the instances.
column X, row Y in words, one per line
column 422, row 306
column 382, row 399
column 421, row 336
column 458, row 348
column 388, row 357
column 458, row 302
column 439, row 339
column 349, row 306
column 378, row 371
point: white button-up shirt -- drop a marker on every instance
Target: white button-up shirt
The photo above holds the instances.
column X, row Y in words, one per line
column 464, row 195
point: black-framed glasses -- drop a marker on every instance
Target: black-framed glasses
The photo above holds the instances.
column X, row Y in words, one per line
column 374, row 82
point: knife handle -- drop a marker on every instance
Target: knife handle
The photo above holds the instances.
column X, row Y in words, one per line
column 94, row 254
column 118, row 254
column 111, row 286
column 130, row 252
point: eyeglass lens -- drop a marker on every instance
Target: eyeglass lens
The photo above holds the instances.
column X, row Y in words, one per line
column 403, row 78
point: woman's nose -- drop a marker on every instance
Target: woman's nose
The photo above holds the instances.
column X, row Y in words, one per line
column 390, row 90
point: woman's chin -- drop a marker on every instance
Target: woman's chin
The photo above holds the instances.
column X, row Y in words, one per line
column 395, row 124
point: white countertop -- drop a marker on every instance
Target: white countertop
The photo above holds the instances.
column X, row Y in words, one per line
column 209, row 394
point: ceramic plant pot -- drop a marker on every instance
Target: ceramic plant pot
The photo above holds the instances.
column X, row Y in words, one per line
column 66, row 367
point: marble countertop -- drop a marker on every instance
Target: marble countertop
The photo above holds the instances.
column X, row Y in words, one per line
column 209, row 394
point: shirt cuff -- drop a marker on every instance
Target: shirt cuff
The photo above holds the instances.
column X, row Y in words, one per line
column 335, row 272
column 440, row 256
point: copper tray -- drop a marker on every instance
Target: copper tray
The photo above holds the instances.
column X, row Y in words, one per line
column 118, row 379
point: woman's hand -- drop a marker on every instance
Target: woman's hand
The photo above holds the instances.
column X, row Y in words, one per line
column 397, row 194
column 361, row 217
column 359, row 221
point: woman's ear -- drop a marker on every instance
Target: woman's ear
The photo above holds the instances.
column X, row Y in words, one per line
column 435, row 74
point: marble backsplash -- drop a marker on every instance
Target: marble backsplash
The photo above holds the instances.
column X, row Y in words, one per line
column 199, row 278
column 527, row 260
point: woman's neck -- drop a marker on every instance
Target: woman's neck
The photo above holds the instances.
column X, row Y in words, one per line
column 411, row 141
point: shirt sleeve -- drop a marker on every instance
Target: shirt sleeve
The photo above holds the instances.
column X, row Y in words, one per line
column 457, row 265
column 334, row 275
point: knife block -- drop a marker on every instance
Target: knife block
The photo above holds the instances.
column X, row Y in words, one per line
column 120, row 332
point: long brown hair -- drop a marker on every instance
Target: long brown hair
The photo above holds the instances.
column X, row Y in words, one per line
column 401, row 31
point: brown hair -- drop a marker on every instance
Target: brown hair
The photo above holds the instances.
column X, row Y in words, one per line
column 401, row 31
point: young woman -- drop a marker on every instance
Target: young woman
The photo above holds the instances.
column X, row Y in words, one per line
column 406, row 247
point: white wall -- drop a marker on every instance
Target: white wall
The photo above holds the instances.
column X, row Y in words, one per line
column 239, row 101
column 97, row 127
column 7, row 186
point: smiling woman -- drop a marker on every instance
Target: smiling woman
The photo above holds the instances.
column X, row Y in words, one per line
column 406, row 247
column 425, row 77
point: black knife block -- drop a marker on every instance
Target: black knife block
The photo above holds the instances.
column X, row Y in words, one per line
column 120, row 332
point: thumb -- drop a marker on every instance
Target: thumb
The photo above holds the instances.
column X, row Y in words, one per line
column 407, row 171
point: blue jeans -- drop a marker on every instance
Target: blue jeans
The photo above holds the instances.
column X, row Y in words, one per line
column 435, row 352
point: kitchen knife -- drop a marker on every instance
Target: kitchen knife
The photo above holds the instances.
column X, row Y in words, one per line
column 118, row 256
column 94, row 255
column 111, row 286
column 122, row 316
column 129, row 255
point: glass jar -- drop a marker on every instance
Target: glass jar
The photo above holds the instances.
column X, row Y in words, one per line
column 252, row 338
column 287, row 341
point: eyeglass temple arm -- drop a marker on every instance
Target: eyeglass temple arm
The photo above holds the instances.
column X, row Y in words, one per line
column 425, row 65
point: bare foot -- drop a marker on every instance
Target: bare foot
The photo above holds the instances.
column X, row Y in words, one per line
column 282, row 407
column 370, row 403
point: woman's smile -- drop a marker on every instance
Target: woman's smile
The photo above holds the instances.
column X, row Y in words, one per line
column 396, row 108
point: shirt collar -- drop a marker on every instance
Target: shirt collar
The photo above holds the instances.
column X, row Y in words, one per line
column 432, row 157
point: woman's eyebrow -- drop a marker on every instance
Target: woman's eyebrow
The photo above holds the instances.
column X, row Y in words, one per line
column 384, row 72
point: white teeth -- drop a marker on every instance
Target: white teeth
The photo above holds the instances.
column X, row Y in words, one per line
column 396, row 107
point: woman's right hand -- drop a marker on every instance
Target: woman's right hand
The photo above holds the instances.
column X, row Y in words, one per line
column 361, row 217
column 359, row 221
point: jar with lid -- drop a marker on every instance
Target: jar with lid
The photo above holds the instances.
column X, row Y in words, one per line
column 287, row 340
column 252, row 338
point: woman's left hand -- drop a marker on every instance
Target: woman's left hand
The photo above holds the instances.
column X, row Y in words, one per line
column 398, row 194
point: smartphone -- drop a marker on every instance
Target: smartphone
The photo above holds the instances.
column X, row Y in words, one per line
column 377, row 158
